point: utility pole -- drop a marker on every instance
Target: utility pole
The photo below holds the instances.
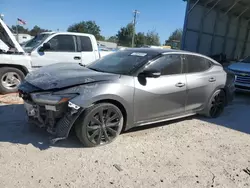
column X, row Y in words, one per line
column 134, row 23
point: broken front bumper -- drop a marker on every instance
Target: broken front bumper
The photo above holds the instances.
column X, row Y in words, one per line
column 57, row 119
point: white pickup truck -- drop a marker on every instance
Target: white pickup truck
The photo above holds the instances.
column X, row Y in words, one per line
column 44, row 49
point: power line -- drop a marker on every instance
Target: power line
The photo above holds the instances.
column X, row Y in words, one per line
column 134, row 23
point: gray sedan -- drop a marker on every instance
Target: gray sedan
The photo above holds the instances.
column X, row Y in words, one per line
column 129, row 88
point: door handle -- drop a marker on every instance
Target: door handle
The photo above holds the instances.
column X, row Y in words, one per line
column 77, row 58
column 212, row 79
column 179, row 84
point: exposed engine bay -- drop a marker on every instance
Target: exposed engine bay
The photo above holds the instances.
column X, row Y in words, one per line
column 57, row 118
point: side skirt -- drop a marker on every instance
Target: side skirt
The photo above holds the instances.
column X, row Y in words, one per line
column 165, row 119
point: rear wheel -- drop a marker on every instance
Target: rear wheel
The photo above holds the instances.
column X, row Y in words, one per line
column 216, row 104
column 99, row 125
column 10, row 78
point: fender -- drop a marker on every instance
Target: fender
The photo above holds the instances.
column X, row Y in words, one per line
column 87, row 102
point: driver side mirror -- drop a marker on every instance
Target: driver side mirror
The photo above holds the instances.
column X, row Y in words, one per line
column 150, row 73
column 46, row 46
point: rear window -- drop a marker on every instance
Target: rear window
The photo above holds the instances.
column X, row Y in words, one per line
column 86, row 45
column 196, row 64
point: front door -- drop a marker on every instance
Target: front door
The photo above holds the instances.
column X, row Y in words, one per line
column 162, row 97
column 63, row 50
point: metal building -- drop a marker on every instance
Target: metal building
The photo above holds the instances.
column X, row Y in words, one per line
column 217, row 26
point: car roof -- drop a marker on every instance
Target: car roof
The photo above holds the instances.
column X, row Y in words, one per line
column 158, row 51
column 152, row 50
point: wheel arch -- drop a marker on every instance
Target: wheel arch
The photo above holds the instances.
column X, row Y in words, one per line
column 221, row 87
column 20, row 67
column 120, row 106
column 125, row 107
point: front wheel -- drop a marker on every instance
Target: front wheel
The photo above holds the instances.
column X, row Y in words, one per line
column 10, row 78
column 216, row 104
column 99, row 125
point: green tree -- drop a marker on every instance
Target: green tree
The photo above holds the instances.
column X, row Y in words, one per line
column 140, row 39
column 152, row 38
column 174, row 39
column 37, row 30
column 124, row 35
column 175, row 35
column 87, row 27
column 112, row 39
column 20, row 28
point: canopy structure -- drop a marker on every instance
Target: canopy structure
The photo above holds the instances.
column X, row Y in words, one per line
column 217, row 26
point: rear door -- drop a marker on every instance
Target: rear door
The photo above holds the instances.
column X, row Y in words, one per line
column 201, row 81
column 86, row 48
column 63, row 49
column 158, row 98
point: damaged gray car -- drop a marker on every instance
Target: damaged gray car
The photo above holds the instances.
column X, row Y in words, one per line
column 129, row 88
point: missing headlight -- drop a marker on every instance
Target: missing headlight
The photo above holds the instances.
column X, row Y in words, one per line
column 51, row 99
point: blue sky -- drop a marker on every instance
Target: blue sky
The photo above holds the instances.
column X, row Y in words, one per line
column 163, row 16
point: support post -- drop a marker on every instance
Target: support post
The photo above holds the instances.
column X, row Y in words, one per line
column 235, row 2
column 193, row 6
column 134, row 23
column 246, row 9
column 236, row 39
column 204, row 15
column 212, row 7
column 183, row 40
column 226, row 34
column 246, row 40
column 214, row 30
column 201, row 29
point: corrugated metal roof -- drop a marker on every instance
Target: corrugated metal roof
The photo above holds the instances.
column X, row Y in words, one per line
column 238, row 8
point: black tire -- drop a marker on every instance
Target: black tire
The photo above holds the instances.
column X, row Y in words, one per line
column 104, row 130
column 216, row 104
column 18, row 74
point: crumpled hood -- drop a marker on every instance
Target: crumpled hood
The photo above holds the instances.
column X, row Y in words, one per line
column 244, row 67
column 62, row 75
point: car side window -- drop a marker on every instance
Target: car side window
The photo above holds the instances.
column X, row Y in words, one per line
column 62, row 43
column 86, row 45
column 168, row 64
column 195, row 64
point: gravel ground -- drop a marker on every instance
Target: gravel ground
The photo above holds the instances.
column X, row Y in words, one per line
column 192, row 152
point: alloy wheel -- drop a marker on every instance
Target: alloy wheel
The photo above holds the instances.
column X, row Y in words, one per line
column 104, row 125
column 217, row 104
column 10, row 80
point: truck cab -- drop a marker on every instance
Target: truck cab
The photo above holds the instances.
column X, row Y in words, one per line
column 47, row 48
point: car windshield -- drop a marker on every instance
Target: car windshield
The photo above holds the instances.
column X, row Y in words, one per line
column 36, row 41
column 246, row 60
column 121, row 62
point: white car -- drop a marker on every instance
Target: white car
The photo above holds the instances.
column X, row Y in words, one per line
column 44, row 49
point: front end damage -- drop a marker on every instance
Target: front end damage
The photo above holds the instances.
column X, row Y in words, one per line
column 52, row 111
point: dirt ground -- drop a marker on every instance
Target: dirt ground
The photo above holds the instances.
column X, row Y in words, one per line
column 192, row 152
